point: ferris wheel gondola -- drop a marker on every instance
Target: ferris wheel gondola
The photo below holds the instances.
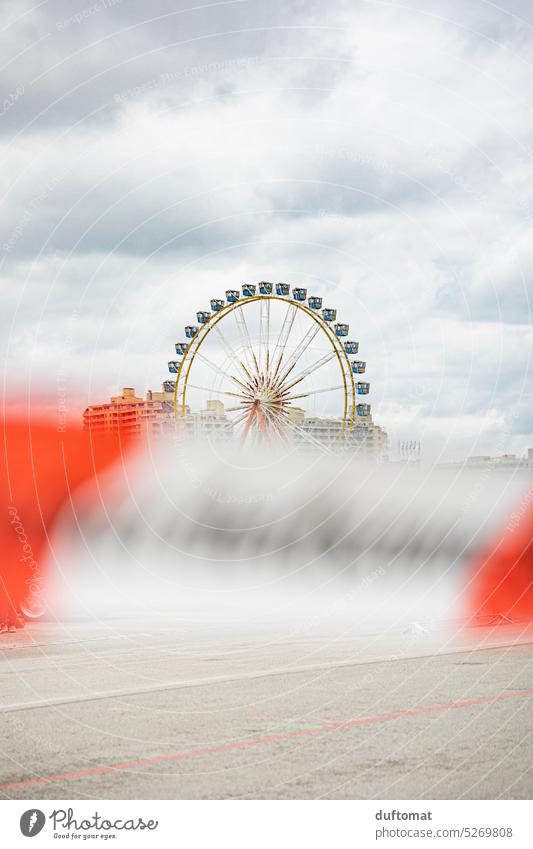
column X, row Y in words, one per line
column 299, row 294
column 269, row 360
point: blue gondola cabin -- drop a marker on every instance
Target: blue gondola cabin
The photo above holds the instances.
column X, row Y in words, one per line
column 358, row 367
column 249, row 290
column 217, row 304
column 363, row 388
column 282, row 289
column 265, row 288
column 315, row 303
column 173, row 366
column 190, row 331
column 203, row 317
column 232, row 295
column 363, row 409
column 299, row 294
column 351, row 347
column 342, row 329
column 169, row 385
column 329, row 314
column 181, row 347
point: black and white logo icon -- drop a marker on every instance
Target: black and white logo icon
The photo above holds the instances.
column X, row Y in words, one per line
column 32, row 822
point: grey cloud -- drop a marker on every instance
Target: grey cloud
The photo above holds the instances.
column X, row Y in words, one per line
column 85, row 57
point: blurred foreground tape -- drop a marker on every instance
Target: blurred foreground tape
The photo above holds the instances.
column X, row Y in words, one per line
column 502, row 580
column 39, row 469
column 343, row 541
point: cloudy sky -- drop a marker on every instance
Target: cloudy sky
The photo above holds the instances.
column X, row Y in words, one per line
column 379, row 153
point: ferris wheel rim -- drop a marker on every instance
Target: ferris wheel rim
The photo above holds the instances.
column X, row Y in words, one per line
column 192, row 351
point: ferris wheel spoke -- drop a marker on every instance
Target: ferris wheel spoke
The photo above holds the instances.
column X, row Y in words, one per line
column 221, row 371
column 240, row 409
column 310, row 369
column 264, row 335
column 231, row 354
column 250, row 416
column 238, row 420
column 313, row 392
column 249, row 353
column 297, row 353
column 282, row 421
column 272, row 417
column 216, row 391
column 231, row 424
column 279, row 350
column 276, row 421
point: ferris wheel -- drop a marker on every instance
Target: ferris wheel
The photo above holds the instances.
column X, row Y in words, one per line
column 267, row 360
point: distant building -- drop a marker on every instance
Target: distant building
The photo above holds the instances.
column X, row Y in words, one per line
column 154, row 415
column 314, row 432
column 364, row 436
column 130, row 414
column 502, row 462
column 211, row 423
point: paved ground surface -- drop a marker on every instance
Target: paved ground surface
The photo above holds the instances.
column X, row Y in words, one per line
column 123, row 710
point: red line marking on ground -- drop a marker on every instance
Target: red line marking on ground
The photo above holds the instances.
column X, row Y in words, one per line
column 258, row 741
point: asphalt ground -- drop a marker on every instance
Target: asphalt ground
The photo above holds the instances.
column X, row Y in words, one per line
column 125, row 710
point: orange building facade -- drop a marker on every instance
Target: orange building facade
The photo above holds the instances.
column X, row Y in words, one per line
column 128, row 413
